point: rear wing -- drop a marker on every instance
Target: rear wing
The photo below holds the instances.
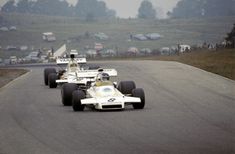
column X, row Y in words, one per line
column 66, row 60
column 93, row 73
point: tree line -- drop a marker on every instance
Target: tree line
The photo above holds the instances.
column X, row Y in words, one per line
column 203, row 8
column 87, row 9
column 91, row 9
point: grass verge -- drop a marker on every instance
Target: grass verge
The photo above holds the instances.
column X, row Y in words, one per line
column 220, row 62
column 7, row 75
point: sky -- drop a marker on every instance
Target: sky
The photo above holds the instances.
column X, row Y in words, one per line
column 129, row 8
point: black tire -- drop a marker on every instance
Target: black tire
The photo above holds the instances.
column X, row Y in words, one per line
column 76, row 100
column 66, row 93
column 139, row 92
column 47, row 71
column 126, row 87
column 52, row 77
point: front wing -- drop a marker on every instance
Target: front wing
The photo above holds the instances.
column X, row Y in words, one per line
column 105, row 103
column 76, row 81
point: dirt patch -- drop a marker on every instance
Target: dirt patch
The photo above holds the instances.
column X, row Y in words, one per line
column 7, row 75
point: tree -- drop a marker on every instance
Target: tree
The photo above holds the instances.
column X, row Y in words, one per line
column 219, row 8
column 91, row 9
column 203, row 8
column 52, row 7
column 9, row 6
column 111, row 13
column 24, row 6
column 187, row 9
column 2, row 20
column 146, row 10
column 87, row 9
column 231, row 37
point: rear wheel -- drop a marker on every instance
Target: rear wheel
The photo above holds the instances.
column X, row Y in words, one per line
column 76, row 100
column 139, row 93
column 126, row 87
column 47, row 71
column 66, row 93
column 52, row 77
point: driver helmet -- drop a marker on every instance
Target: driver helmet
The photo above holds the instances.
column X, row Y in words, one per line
column 99, row 75
column 100, row 70
column 72, row 56
column 105, row 76
column 102, row 76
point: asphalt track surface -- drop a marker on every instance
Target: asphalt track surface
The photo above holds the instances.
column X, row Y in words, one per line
column 187, row 111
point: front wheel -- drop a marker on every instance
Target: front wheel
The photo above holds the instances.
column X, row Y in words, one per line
column 126, row 87
column 76, row 100
column 66, row 93
column 47, row 71
column 52, row 80
column 139, row 93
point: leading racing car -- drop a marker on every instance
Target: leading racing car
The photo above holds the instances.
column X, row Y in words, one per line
column 103, row 95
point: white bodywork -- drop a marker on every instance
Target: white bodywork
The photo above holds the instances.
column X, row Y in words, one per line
column 78, row 75
column 66, row 60
column 107, row 97
column 84, row 76
column 60, row 52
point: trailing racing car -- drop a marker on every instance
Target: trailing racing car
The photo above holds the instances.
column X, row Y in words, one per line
column 74, row 73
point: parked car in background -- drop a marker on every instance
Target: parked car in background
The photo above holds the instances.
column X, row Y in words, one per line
column 12, row 28
column 153, row 36
column 184, row 48
column 4, row 29
column 48, row 36
column 101, row 36
column 140, row 37
column 13, row 60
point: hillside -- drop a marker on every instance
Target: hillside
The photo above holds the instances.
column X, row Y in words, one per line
column 190, row 31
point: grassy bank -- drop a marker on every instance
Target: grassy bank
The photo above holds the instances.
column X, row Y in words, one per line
column 220, row 62
column 174, row 31
column 7, row 75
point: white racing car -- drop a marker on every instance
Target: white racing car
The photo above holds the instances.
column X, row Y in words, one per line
column 74, row 73
column 104, row 96
column 51, row 76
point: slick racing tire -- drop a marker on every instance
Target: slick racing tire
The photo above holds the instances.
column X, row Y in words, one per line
column 52, row 77
column 47, row 71
column 126, row 87
column 76, row 100
column 138, row 92
column 66, row 93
